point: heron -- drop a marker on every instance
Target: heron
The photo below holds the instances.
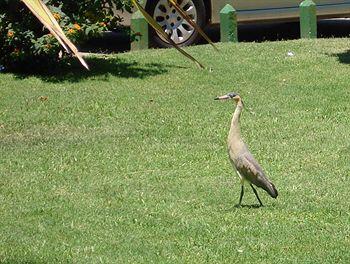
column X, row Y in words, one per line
column 247, row 168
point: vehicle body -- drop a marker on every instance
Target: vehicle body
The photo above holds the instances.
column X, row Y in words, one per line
column 206, row 13
column 278, row 10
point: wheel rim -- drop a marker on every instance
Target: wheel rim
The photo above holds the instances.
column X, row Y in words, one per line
column 171, row 21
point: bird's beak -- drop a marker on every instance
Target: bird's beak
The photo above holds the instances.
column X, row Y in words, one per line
column 223, row 97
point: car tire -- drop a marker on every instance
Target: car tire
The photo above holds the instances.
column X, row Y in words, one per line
column 178, row 29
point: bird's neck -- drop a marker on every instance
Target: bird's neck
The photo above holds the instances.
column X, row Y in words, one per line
column 235, row 131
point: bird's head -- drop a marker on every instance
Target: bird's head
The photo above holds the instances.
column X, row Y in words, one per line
column 233, row 96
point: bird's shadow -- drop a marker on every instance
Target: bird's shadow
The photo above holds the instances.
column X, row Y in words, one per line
column 249, row 206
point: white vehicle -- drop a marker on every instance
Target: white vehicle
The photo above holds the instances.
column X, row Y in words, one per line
column 206, row 12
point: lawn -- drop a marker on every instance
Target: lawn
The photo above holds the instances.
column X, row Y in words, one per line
column 128, row 163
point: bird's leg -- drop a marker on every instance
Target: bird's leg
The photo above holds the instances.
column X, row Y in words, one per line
column 256, row 194
column 241, row 197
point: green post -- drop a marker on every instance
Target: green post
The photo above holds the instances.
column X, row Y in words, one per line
column 139, row 28
column 228, row 24
column 308, row 19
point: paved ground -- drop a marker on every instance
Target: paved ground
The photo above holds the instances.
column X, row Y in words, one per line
column 285, row 31
column 119, row 42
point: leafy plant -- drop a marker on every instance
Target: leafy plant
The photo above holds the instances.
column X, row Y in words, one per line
column 23, row 38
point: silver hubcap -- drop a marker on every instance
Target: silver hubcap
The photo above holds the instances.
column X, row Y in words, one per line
column 171, row 21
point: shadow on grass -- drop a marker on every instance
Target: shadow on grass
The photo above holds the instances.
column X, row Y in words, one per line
column 33, row 261
column 249, row 206
column 242, row 206
column 100, row 67
column 343, row 57
column 20, row 261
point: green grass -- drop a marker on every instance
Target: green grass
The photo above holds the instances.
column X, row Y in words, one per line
column 128, row 163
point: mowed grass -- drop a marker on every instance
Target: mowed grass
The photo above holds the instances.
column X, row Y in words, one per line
column 128, row 163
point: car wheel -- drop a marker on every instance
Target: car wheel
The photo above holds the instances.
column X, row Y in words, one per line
column 179, row 30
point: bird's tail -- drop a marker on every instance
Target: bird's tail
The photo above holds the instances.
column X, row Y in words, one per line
column 271, row 190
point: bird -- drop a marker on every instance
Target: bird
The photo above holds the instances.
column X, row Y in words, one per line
column 246, row 166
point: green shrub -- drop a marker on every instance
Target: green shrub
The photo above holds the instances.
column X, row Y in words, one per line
column 25, row 44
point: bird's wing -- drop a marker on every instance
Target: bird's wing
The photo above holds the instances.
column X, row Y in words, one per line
column 250, row 169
